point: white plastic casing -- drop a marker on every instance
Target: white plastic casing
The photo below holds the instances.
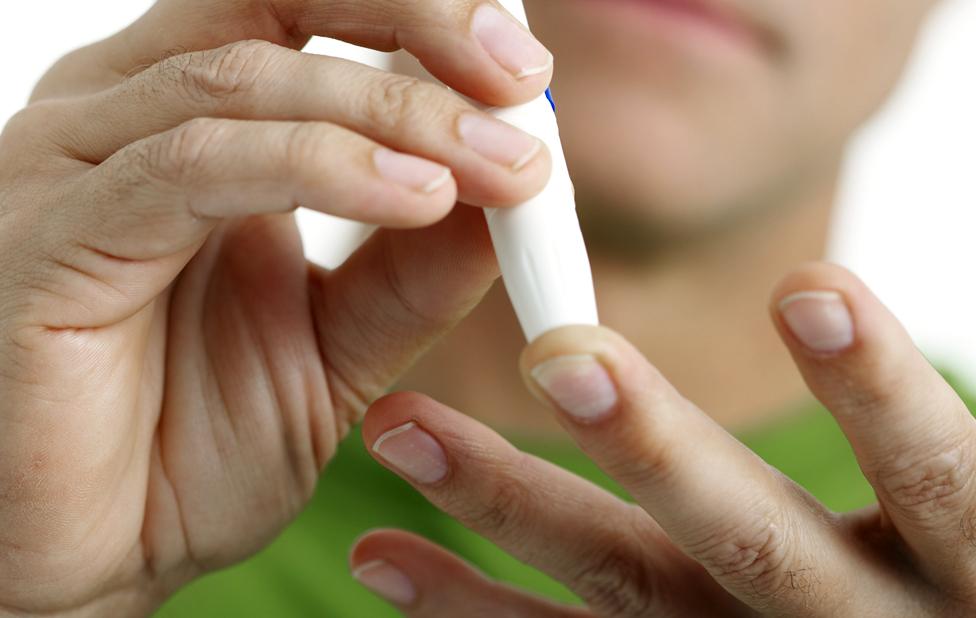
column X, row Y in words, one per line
column 539, row 244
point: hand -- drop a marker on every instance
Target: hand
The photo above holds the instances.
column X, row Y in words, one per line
column 173, row 374
column 716, row 531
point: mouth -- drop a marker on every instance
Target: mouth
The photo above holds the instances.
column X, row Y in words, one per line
column 716, row 19
column 708, row 13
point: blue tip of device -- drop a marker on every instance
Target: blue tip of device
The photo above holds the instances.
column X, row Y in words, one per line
column 549, row 96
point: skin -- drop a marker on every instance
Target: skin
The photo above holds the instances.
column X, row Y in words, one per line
column 174, row 375
column 715, row 530
column 705, row 170
column 139, row 454
column 761, row 119
column 720, row 532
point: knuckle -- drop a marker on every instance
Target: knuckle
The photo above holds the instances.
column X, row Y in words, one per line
column 31, row 128
column 25, row 121
column 500, row 509
column 184, row 149
column 618, row 581
column 659, row 457
column 615, row 584
column 231, row 70
column 925, row 487
column 125, row 175
column 750, row 559
column 239, row 67
column 162, row 74
column 409, row 309
column 655, row 452
column 399, row 102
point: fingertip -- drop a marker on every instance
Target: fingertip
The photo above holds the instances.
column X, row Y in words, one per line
column 391, row 411
column 524, row 60
column 350, row 176
column 849, row 347
column 587, row 372
column 358, row 552
column 534, row 175
column 823, row 310
column 387, row 579
column 375, row 544
column 398, row 207
column 480, row 79
column 494, row 59
column 496, row 182
column 813, row 276
column 598, row 341
column 410, row 571
column 423, row 559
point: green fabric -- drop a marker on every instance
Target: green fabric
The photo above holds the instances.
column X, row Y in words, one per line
column 304, row 572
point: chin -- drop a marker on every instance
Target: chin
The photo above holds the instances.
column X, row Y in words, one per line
column 670, row 188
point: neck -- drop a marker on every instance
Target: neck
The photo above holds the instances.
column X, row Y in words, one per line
column 697, row 309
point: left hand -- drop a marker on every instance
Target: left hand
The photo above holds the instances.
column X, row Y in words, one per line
column 174, row 375
column 717, row 530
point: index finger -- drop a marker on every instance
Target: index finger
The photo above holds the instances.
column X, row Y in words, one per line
column 474, row 46
column 756, row 532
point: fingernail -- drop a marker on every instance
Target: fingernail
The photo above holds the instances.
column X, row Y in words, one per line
column 819, row 319
column 411, row 172
column 509, row 44
column 579, row 385
column 387, row 581
column 498, row 141
column 414, row 452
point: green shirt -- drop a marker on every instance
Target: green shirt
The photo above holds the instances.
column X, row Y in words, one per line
column 305, row 573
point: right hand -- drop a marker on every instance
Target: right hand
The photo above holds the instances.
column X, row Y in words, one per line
column 173, row 374
column 713, row 529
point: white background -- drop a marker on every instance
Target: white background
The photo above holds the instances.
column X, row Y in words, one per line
column 908, row 206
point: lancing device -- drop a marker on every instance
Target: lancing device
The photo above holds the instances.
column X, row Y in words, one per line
column 539, row 244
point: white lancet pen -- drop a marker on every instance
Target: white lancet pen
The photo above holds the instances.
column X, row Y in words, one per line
column 539, row 244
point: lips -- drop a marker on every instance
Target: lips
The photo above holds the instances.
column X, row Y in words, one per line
column 719, row 16
column 715, row 14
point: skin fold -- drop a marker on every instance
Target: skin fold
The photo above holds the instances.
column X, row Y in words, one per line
column 174, row 376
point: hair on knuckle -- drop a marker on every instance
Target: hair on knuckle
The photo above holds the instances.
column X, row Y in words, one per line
column 154, row 64
column 501, row 510
column 240, row 67
column 751, row 559
column 926, row 487
column 617, row 582
column 127, row 171
column 659, row 459
column 172, row 72
column 216, row 75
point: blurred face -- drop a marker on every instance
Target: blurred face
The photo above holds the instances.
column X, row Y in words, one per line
column 677, row 113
